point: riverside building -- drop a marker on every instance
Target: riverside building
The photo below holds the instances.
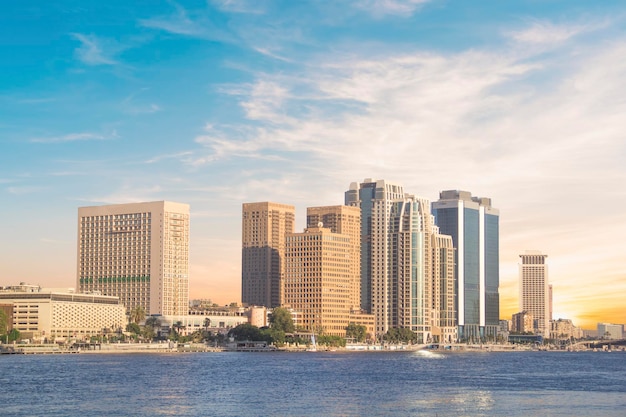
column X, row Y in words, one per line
column 401, row 253
column 263, row 232
column 473, row 225
column 138, row 252
column 319, row 276
column 52, row 314
column 535, row 291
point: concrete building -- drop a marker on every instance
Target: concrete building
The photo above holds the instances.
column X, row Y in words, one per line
column 319, row 276
column 264, row 228
column 564, row 329
column 535, row 291
column 444, row 324
column 50, row 314
column 407, row 266
column 138, row 252
column 343, row 220
column 522, row 322
column 611, row 331
column 473, row 224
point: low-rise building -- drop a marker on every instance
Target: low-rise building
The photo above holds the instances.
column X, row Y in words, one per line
column 53, row 314
column 564, row 329
column 522, row 322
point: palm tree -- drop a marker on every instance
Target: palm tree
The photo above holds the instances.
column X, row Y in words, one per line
column 137, row 314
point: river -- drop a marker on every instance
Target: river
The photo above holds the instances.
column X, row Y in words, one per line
column 315, row 384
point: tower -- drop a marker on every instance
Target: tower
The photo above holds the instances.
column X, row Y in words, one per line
column 138, row 252
column 319, row 276
column 343, row 220
column 535, row 291
column 473, row 225
column 263, row 231
column 398, row 266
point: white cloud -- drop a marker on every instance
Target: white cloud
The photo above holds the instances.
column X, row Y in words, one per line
column 391, row 7
column 92, row 50
column 180, row 23
column 74, row 137
column 543, row 32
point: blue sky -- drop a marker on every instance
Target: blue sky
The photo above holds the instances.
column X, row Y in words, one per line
column 216, row 103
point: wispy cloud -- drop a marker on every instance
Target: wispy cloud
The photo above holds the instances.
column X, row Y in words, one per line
column 74, row 137
column 240, row 6
column 180, row 23
column 95, row 51
column 390, row 7
column 544, row 32
column 22, row 190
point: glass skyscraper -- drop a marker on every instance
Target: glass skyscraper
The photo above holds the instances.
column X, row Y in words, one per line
column 474, row 226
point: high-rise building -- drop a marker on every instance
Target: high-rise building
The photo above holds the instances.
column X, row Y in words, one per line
column 374, row 198
column 138, row 252
column 264, row 228
column 319, row 277
column 534, row 290
column 343, row 220
column 443, row 288
column 401, row 253
column 474, row 226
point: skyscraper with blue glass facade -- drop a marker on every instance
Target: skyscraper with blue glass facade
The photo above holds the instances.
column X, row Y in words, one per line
column 474, row 226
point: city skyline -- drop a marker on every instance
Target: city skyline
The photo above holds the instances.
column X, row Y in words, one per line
column 219, row 103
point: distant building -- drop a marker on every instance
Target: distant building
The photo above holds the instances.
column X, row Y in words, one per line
column 138, row 252
column 564, row 329
column 522, row 322
column 611, row 331
column 47, row 314
column 264, row 229
column 535, row 291
column 473, row 224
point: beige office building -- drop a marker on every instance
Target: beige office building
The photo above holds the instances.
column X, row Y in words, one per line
column 263, row 232
column 138, row 252
column 343, row 220
column 534, row 290
column 52, row 314
column 319, row 277
column 443, row 288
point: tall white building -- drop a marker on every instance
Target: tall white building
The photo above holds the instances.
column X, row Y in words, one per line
column 534, row 290
column 407, row 267
column 138, row 252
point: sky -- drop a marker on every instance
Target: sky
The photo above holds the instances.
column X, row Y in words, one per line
column 220, row 102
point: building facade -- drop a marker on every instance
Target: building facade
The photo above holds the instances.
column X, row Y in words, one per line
column 50, row 314
column 522, row 322
column 319, row 276
column 138, row 252
column 264, row 229
column 535, row 291
column 407, row 266
column 343, row 220
column 610, row 331
column 473, row 225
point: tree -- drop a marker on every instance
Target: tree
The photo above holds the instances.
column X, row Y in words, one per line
column 399, row 335
column 133, row 328
column 151, row 328
column 281, row 320
column 246, row 331
column 13, row 335
column 137, row 314
column 4, row 323
column 356, row 332
column 207, row 323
